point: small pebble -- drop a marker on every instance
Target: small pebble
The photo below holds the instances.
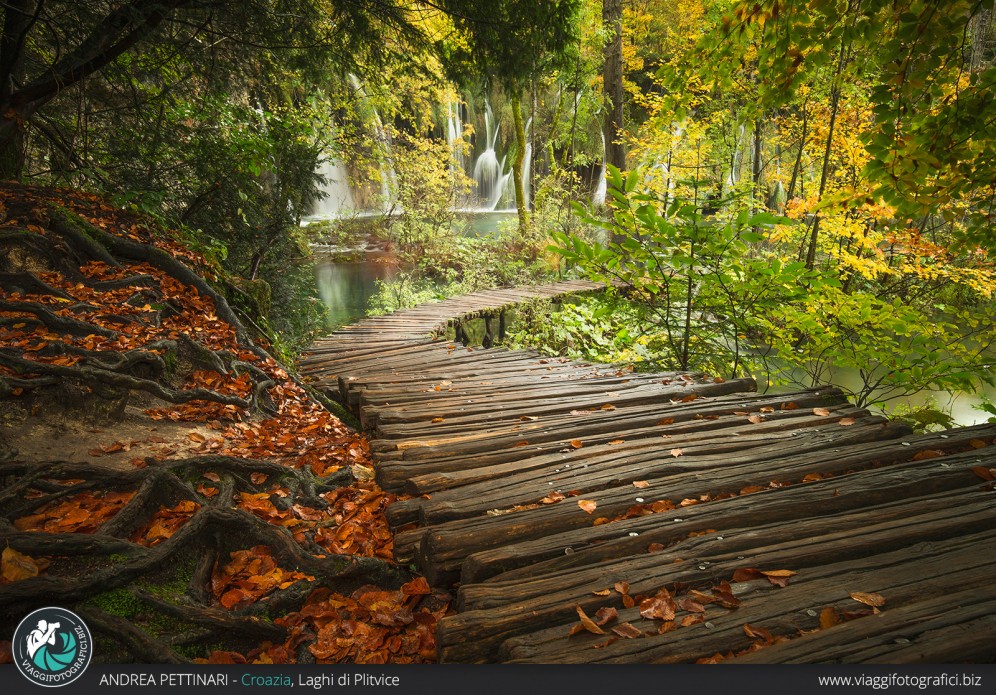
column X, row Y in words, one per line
column 568, row 551
column 740, row 557
column 907, row 444
column 639, row 499
column 811, row 613
column 702, row 567
column 719, row 538
column 709, row 625
column 678, row 519
column 633, row 533
column 901, row 640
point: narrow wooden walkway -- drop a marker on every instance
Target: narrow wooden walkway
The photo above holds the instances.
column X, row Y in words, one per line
column 656, row 502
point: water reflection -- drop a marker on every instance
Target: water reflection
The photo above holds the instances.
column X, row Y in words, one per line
column 346, row 287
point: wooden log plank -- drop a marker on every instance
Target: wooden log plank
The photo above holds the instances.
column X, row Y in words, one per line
column 476, row 633
column 701, row 418
column 641, row 394
column 444, row 546
column 908, row 582
column 955, row 627
column 653, row 466
column 587, row 546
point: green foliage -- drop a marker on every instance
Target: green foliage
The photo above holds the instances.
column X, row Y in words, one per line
column 601, row 329
column 702, row 282
column 895, row 349
column 928, row 75
column 987, row 406
column 926, row 417
column 715, row 296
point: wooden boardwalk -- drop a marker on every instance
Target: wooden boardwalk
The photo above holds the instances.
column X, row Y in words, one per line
column 655, row 503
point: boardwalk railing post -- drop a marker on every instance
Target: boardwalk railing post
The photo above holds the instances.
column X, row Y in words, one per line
column 501, row 326
column 489, row 330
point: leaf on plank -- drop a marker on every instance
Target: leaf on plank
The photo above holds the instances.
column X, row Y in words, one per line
column 829, row 617
column 873, row 600
column 585, row 624
column 627, row 630
column 605, row 614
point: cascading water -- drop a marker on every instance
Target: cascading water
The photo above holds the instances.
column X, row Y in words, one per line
column 337, row 197
column 454, row 135
column 601, row 188
column 489, row 173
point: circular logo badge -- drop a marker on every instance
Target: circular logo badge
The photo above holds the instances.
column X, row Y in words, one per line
column 52, row 647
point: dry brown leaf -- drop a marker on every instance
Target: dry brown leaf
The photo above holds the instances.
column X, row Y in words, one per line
column 758, row 633
column 641, row 484
column 666, row 421
column 605, row 614
column 977, row 443
column 627, row 630
column 589, row 624
column 617, row 441
column 822, row 412
column 687, row 603
column 847, row 421
column 676, row 452
column 576, row 443
column 602, row 592
column 984, row 473
column 15, row 566
column 829, row 617
column 756, row 419
column 874, row 600
column 437, row 419
column 657, row 608
column 621, row 588
column 928, row 454
column 588, row 506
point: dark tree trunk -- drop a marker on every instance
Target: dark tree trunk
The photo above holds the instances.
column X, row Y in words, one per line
column 19, row 16
column 612, row 77
column 120, row 30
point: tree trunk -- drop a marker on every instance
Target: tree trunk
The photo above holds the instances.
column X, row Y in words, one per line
column 612, row 78
column 824, row 175
column 19, row 16
column 757, row 198
column 119, row 31
column 521, row 204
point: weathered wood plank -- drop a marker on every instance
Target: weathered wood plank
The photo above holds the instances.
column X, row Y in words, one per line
column 511, row 609
column 909, row 582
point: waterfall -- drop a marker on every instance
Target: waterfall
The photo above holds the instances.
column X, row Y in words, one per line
column 598, row 197
column 454, row 135
column 337, row 198
column 489, row 173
